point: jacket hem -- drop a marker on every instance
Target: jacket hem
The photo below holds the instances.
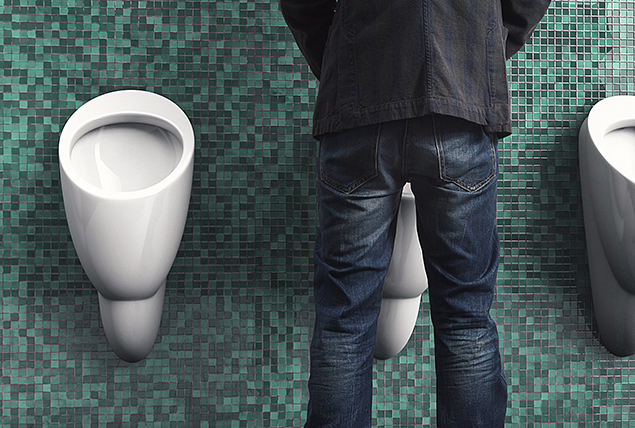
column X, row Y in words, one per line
column 495, row 119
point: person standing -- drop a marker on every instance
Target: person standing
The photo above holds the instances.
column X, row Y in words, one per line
column 410, row 91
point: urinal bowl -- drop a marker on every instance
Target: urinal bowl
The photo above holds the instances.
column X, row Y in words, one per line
column 607, row 171
column 126, row 222
column 404, row 284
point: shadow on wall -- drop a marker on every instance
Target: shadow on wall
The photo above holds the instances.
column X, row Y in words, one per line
column 546, row 149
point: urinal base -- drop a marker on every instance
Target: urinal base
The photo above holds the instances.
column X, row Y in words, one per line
column 614, row 307
column 131, row 326
column 397, row 319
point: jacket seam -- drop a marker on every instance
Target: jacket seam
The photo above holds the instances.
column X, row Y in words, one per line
column 428, row 49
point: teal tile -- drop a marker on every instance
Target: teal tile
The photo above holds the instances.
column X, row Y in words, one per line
column 233, row 348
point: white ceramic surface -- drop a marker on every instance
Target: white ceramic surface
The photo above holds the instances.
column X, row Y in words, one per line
column 127, row 221
column 607, row 170
column 405, row 282
column 125, row 157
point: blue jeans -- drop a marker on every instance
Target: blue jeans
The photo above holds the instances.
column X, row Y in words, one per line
column 452, row 166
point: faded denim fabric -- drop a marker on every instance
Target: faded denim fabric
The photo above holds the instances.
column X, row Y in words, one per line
column 381, row 60
column 452, row 166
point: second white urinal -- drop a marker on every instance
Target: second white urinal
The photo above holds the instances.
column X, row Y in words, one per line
column 405, row 282
column 126, row 162
column 607, row 172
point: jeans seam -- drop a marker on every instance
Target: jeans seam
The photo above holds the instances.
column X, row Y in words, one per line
column 377, row 150
column 404, row 154
column 439, row 149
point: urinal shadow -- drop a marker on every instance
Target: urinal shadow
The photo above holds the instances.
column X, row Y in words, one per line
column 556, row 221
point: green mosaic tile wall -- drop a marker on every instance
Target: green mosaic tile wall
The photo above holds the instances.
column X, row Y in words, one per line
column 233, row 345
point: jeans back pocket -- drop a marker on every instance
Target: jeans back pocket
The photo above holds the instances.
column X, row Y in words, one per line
column 348, row 159
column 468, row 157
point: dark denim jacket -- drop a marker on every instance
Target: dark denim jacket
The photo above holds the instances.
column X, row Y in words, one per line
column 382, row 60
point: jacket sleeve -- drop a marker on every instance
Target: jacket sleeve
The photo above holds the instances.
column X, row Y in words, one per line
column 521, row 17
column 309, row 22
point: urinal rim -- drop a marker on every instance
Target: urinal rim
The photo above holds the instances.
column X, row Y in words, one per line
column 111, row 108
column 609, row 115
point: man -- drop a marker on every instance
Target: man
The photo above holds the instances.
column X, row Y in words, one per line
column 410, row 91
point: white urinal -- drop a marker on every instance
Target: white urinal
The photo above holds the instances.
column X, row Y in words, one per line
column 405, row 282
column 126, row 161
column 607, row 171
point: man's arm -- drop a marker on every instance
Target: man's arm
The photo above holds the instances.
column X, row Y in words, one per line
column 309, row 22
column 521, row 17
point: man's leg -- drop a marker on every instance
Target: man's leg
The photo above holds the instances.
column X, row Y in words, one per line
column 358, row 203
column 457, row 230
